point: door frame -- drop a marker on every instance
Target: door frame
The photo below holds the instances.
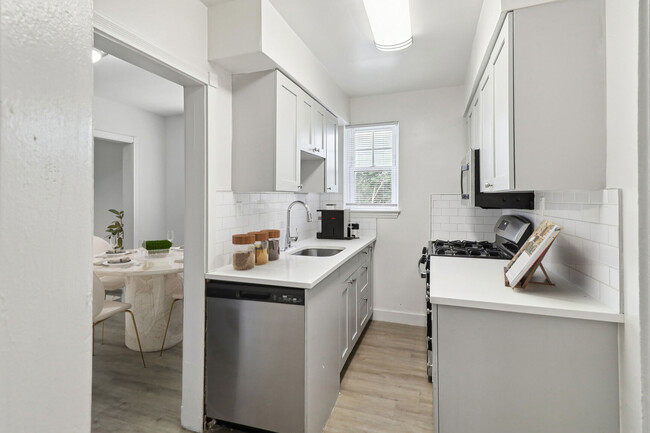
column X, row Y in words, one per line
column 129, row 167
column 129, row 47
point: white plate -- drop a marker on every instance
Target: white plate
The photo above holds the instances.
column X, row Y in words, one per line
column 107, row 263
column 180, row 249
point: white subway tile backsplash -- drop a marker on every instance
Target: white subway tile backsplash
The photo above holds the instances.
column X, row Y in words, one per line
column 609, row 214
column 609, row 255
column 583, row 230
column 586, row 251
column 466, row 212
column 243, row 213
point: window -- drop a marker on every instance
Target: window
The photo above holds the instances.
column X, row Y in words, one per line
column 371, row 167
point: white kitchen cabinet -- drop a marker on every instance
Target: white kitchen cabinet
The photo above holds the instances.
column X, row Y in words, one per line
column 265, row 151
column 319, row 114
column 487, row 128
column 311, row 126
column 344, row 341
column 363, row 295
column 280, row 135
column 501, row 64
column 306, row 123
column 496, row 120
column 355, row 308
column 474, row 124
column 331, row 154
column 497, row 371
column 543, row 110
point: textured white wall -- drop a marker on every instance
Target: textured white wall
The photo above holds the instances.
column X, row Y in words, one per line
column 622, row 44
column 431, row 146
column 149, row 161
column 108, row 175
column 45, row 216
column 175, row 177
column 180, row 27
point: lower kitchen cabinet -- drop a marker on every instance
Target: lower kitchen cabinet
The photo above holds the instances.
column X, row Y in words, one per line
column 496, row 372
column 355, row 306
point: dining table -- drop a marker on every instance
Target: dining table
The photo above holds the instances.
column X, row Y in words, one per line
column 150, row 282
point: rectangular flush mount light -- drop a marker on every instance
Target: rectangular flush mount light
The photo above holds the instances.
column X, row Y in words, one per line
column 390, row 21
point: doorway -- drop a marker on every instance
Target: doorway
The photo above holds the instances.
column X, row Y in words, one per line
column 159, row 405
column 113, row 177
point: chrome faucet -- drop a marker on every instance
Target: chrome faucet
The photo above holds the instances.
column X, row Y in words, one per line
column 309, row 219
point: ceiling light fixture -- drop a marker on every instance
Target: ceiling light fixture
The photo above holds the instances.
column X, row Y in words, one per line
column 97, row 55
column 390, row 22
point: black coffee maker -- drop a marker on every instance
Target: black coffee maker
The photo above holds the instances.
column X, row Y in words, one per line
column 335, row 224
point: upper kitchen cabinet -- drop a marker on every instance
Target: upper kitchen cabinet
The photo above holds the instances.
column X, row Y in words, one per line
column 331, row 154
column 311, row 126
column 541, row 100
column 279, row 135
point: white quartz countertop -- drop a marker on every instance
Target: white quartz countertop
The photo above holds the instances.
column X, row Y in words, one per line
column 302, row 272
column 479, row 283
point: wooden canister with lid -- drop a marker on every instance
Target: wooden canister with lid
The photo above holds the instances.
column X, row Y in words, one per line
column 243, row 252
column 274, row 244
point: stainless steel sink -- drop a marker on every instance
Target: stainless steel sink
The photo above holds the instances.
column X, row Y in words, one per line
column 318, row 252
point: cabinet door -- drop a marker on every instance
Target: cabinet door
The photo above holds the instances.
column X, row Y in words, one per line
column 501, row 63
column 476, row 124
column 318, row 140
column 487, row 131
column 306, row 122
column 344, row 340
column 287, row 155
column 331, row 155
column 363, row 296
column 353, row 325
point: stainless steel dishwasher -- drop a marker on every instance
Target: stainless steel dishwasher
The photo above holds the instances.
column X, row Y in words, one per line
column 255, row 356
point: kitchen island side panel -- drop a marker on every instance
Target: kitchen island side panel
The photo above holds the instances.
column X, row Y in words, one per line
column 501, row 372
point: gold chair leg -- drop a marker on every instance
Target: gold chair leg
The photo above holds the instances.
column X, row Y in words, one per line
column 94, row 339
column 137, row 336
column 171, row 308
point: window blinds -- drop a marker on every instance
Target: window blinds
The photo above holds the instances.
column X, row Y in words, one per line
column 371, row 166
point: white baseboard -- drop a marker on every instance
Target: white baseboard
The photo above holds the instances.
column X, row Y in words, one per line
column 402, row 317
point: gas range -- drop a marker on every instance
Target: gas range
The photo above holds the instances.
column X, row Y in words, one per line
column 511, row 233
column 475, row 249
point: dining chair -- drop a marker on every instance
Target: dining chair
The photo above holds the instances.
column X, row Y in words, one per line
column 104, row 309
column 178, row 296
column 113, row 284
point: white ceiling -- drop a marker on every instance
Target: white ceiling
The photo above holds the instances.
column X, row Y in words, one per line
column 338, row 33
column 122, row 82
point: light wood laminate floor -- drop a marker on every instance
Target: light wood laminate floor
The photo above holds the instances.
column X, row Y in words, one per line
column 384, row 389
column 128, row 398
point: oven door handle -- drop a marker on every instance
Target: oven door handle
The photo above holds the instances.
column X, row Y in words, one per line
column 421, row 262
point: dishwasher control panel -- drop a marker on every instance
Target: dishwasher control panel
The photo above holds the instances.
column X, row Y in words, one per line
column 287, row 299
column 254, row 292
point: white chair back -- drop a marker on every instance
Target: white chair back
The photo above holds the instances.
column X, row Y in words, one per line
column 98, row 296
column 100, row 245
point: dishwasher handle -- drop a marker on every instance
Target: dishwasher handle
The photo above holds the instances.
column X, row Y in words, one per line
column 260, row 296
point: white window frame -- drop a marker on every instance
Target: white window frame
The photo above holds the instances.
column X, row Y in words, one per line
column 379, row 210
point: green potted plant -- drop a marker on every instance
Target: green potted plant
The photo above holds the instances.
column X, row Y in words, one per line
column 116, row 229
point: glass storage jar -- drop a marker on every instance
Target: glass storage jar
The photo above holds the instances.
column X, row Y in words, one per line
column 274, row 244
column 243, row 252
column 261, row 247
